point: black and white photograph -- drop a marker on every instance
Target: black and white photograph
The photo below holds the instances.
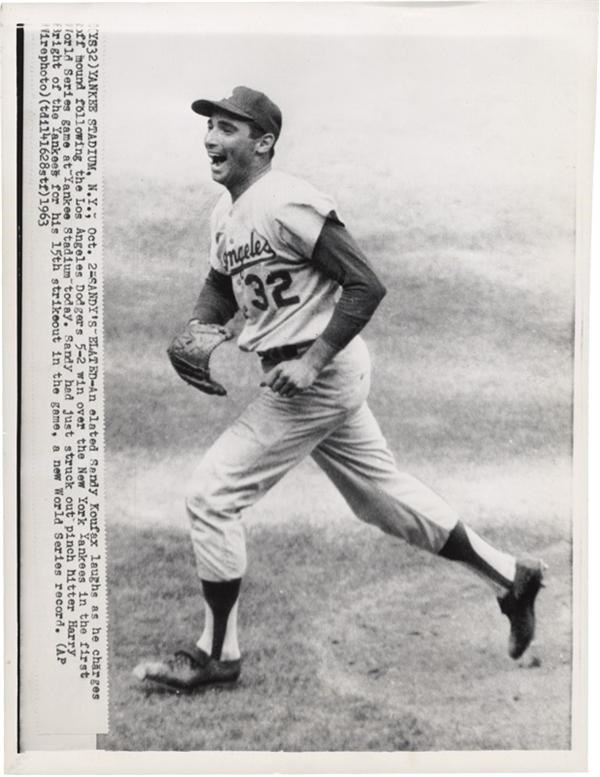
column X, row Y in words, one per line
column 330, row 263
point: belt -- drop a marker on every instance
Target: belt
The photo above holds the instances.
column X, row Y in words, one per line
column 285, row 352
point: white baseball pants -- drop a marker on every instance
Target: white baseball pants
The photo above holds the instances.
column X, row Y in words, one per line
column 330, row 421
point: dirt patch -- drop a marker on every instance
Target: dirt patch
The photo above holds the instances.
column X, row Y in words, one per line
column 144, row 492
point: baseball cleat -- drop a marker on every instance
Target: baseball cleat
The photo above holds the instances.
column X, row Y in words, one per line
column 518, row 605
column 190, row 668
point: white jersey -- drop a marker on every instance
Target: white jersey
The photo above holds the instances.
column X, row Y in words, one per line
column 264, row 241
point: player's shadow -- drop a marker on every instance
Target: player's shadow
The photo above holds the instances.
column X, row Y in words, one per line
column 149, row 688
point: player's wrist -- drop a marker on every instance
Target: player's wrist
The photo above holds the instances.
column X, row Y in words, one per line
column 319, row 354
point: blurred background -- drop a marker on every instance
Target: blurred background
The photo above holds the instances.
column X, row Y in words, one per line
column 453, row 162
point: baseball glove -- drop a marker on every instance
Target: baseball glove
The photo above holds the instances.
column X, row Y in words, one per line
column 190, row 355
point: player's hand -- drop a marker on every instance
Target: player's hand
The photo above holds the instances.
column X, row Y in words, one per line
column 291, row 377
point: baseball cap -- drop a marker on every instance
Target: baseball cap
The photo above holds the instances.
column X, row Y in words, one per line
column 245, row 103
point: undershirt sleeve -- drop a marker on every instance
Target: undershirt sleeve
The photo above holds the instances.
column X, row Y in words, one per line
column 337, row 256
column 216, row 302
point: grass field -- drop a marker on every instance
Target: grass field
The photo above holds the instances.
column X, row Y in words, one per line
column 352, row 643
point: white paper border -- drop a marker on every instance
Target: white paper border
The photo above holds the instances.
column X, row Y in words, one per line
column 252, row 763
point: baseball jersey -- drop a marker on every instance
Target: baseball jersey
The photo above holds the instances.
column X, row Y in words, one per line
column 264, row 242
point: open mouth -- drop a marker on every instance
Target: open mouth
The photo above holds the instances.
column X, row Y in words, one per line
column 216, row 160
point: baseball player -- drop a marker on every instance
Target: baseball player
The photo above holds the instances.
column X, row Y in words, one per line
column 280, row 254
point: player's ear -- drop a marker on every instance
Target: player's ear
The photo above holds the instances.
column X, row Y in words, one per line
column 265, row 143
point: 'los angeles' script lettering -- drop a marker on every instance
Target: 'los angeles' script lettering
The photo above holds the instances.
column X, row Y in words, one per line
column 256, row 248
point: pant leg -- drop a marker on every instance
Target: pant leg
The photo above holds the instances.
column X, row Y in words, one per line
column 271, row 436
column 357, row 459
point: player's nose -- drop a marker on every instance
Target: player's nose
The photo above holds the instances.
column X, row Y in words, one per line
column 209, row 139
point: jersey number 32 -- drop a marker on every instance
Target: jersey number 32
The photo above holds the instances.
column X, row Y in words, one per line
column 277, row 282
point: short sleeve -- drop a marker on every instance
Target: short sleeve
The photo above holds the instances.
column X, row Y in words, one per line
column 216, row 236
column 213, row 256
column 299, row 222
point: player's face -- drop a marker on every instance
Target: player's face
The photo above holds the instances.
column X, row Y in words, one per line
column 231, row 150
